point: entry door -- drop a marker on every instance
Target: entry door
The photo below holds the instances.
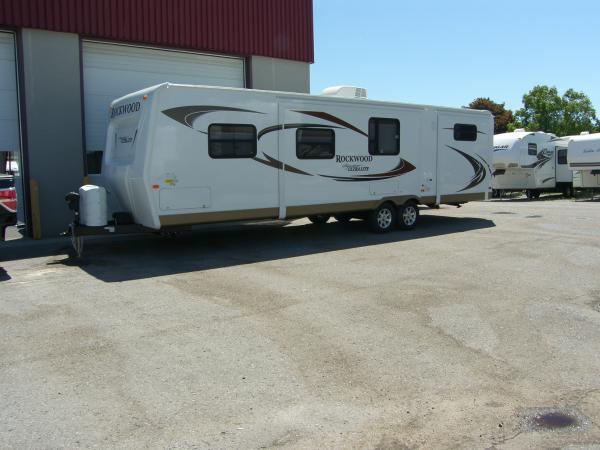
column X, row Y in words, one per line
column 545, row 170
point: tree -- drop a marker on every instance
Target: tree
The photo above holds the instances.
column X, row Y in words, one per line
column 502, row 116
column 545, row 110
column 578, row 113
column 542, row 110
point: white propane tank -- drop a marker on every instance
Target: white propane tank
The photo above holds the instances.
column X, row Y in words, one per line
column 92, row 206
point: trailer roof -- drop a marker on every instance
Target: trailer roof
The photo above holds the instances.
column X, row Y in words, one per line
column 294, row 95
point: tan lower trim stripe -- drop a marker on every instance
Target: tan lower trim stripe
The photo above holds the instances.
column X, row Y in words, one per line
column 460, row 198
column 304, row 210
column 222, row 216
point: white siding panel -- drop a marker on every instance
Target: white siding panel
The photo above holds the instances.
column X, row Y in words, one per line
column 9, row 110
column 111, row 71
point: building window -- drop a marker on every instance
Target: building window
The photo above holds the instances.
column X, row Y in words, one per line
column 532, row 149
column 315, row 143
column 561, row 156
column 231, row 141
column 465, row 132
column 384, row 136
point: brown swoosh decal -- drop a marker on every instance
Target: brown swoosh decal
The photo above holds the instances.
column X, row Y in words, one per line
column 269, row 162
column 292, row 169
column 272, row 162
column 402, row 167
column 328, row 117
column 289, row 126
column 270, row 129
column 186, row 115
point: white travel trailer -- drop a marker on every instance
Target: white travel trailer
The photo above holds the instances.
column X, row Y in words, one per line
column 181, row 155
column 584, row 160
column 529, row 161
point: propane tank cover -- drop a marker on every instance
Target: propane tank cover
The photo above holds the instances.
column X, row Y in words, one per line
column 92, row 206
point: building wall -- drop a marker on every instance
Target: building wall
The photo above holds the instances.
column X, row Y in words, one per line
column 54, row 127
column 273, row 28
column 280, row 74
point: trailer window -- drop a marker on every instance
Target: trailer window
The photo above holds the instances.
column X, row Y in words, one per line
column 231, row 141
column 384, row 136
column 465, row 132
column 315, row 143
column 532, row 149
column 561, row 156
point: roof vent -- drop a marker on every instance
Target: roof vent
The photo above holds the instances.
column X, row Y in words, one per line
column 520, row 130
column 345, row 91
column 584, row 133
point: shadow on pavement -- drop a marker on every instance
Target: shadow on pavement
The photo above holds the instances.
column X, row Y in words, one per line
column 4, row 276
column 152, row 256
column 580, row 197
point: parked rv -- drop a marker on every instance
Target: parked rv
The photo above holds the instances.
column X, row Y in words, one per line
column 178, row 156
column 584, row 160
column 530, row 162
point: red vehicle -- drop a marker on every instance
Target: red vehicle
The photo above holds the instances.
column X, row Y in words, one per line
column 8, row 203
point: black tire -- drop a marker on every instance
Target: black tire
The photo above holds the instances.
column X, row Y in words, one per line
column 319, row 219
column 383, row 218
column 530, row 194
column 408, row 216
column 343, row 218
column 568, row 191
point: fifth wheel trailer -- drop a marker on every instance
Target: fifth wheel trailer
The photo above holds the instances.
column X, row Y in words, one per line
column 531, row 162
column 179, row 155
column 584, row 160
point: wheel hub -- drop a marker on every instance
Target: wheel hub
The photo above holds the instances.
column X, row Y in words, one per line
column 409, row 215
column 384, row 218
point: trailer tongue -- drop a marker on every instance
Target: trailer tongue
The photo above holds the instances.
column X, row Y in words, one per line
column 89, row 209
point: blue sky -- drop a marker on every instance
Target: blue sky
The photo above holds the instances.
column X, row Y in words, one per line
column 448, row 53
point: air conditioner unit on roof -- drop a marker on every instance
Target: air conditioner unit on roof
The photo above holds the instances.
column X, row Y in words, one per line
column 345, row 91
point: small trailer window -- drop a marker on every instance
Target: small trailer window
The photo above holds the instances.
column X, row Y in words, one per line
column 231, row 141
column 465, row 132
column 561, row 156
column 532, row 149
column 384, row 136
column 315, row 143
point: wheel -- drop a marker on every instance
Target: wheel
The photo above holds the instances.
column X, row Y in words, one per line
column 530, row 194
column 383, row 218
column 319, row 219
column 537, row 194
column 408, row 215
column 343, row 218
column 568, row 191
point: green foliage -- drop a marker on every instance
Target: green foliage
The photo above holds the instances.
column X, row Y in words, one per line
column 545, row 110
column 502, row 116
column 579, row 114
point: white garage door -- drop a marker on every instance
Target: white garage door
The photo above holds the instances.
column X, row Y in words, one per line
column 111, row 71
column 9, row 109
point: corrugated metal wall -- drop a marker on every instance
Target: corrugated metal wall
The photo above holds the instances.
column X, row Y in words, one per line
column 275, row 28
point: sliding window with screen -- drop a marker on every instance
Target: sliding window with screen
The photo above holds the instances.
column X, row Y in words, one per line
column 315, row 143
column 231, row 141
column 384, row 136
